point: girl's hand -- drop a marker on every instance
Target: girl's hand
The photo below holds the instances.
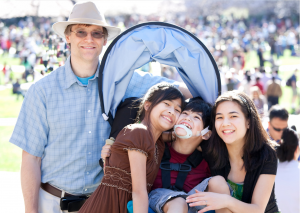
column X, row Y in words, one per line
column 105, row 152
column 213, row 201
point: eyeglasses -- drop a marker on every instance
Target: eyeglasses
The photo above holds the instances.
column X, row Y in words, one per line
column 83, row 34
column 278, row 129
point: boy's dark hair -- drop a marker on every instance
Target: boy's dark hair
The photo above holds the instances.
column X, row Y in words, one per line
column 155, row 95
column 277, row 111
column 257, row 147
column 198, row 105
column 288, row 145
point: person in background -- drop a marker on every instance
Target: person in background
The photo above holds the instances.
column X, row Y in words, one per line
column 288, row 192
column 52, row 62
column 273, row 93
column 246, row 86
column 275, row 74
column 45, row 59
column 260, row 57
column 264, row 78
column 17, row 89
column 5, row 72
column 259, row 85
column 278, row 121
column 258, row 100
column 294, row 89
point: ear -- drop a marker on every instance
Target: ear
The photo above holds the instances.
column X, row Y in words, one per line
column 68, row 39
column 147, row 105
column 268, row 124
column 105, row 42
column 207, row 135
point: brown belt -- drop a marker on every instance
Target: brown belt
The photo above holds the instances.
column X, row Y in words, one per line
column 54, row 191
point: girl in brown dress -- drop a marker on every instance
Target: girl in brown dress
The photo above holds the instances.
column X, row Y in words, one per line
column 136, row 154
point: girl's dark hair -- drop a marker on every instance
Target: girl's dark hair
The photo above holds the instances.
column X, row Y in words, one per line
column 288, row 145
column 257, row 146
column 198, row 105
column 155, row 95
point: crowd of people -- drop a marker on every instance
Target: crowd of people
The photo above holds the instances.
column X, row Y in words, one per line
column 228, row 39
column 62, row 127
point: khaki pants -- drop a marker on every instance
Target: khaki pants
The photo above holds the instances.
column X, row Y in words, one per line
column 49, row 203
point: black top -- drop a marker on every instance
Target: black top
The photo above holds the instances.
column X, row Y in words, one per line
column 269, row 166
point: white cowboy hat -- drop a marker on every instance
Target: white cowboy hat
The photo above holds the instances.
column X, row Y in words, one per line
column 86, row 13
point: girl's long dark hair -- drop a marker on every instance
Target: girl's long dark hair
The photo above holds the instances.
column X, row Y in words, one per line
column 288, row 145
column 257, row 144
column 155, row 95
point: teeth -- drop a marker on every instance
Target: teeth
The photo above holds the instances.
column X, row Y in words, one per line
column 228, row 131
column 167, row 118
column 188, row 126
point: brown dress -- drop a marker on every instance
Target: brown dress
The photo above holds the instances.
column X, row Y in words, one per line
column 115, row 190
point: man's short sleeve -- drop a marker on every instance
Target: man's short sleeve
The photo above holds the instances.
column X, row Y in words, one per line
column 142, row 81
column 31, row 130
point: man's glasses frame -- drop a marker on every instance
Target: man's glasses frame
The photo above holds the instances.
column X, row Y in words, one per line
column 277, row 129
column 82, row 34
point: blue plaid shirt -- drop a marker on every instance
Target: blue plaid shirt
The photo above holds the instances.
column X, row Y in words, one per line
column 61, row 122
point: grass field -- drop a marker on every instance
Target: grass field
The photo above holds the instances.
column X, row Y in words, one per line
column 10, row 154
column 10, row 61
column 9, row 105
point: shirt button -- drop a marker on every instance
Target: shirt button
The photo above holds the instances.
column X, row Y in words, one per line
column 88, row 173
column 90, row 132
column 89, row 153
column 89, row 90
column 89, row 110
column 85, row 190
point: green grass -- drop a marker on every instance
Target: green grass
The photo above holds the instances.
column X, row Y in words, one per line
column 10, row 154
column 9, row 61
column 252, row 59
column 9, row 105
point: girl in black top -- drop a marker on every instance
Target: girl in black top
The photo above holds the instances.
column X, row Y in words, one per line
column 242, row 160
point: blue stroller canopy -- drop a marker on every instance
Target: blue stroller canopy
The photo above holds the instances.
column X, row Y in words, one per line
column 163, row 42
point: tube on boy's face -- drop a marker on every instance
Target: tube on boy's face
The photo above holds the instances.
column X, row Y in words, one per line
column 189, row 124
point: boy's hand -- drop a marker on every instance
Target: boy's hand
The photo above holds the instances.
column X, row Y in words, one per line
column 105, row 152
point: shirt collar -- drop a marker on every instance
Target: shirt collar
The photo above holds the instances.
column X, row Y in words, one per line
column 271, row 136
column 71, row 77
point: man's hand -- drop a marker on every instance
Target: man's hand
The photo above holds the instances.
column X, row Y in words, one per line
column 30, row 181
column 185, row 91
column 105, row 152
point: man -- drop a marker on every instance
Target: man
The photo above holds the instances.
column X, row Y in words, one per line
column 260, row 57
column 294, row 89
column 259, row 85
column 273, row 93
column 17, row 89
column 275, row 74
column 60, row 127
column 278, row 121
column 264, row 79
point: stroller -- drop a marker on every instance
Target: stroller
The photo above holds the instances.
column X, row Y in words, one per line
column 153, row 41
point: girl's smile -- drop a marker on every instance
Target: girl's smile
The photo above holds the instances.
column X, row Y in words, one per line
column 231, row 124
column 165, row 114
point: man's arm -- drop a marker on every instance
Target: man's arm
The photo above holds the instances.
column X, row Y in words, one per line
column 185, row 91
column 30, row 181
